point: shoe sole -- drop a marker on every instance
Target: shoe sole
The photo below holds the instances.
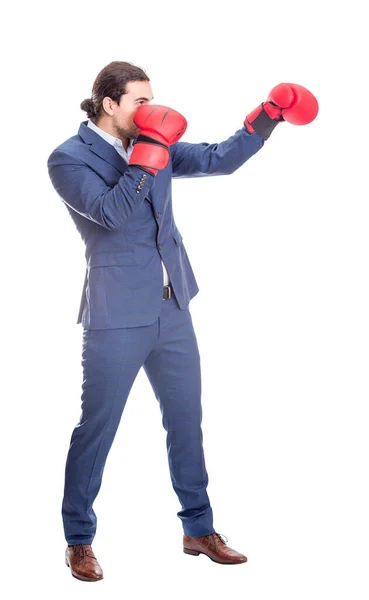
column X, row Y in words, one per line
column 80, row 577
column 197, row 552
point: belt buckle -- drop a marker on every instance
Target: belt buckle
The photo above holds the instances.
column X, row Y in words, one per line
column 168, row 292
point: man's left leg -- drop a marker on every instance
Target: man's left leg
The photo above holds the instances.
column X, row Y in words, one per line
column 173, row 369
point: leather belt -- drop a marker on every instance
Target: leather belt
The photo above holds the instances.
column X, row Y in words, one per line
column 167, row 292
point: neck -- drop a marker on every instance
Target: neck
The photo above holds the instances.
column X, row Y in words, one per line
column 105, row 126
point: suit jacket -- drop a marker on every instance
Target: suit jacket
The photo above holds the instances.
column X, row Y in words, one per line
column 124, row 215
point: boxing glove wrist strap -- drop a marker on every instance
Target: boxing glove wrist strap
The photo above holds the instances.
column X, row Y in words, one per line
column 263, row 124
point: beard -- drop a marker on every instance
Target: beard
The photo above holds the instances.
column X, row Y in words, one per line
column 127, row 132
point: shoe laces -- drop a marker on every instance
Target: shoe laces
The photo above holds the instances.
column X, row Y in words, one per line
column 220, row 536
column 83, row 550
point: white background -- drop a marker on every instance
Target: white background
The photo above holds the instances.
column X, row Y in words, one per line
column 280, row 254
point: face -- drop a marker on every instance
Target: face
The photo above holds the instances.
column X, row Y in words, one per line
column 121, row 122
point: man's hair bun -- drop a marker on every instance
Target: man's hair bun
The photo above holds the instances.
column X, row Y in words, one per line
column 88, row 106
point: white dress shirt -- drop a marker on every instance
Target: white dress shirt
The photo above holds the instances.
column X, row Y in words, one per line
column 117, row 144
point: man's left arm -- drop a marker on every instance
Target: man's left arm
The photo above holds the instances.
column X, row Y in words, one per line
column 204, row 159
column 286, row 102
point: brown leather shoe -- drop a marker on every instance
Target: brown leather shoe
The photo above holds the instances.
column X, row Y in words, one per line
column 214, row 547
column 83, row 563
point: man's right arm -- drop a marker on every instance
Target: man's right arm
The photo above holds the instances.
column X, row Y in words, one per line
column 86, row 193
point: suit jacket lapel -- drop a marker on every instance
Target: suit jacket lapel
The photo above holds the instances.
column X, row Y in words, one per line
column 103, row 149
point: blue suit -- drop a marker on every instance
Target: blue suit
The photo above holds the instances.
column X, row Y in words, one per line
column 124, row 216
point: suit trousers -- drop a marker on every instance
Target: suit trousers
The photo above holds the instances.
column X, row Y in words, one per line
column 111, row 360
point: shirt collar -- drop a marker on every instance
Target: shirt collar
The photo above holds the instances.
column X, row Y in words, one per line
column 111, row 139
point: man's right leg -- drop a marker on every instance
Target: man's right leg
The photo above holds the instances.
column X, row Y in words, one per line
column 111, row 360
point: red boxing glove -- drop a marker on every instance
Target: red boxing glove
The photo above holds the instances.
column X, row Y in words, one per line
column 304, row 107
column 160, row 127
column 286, row 102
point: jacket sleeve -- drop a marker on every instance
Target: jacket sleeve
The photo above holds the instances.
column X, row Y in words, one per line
column 86, row 193
column 204, row 159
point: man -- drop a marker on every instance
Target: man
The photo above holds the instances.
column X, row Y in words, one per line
column 114, row 177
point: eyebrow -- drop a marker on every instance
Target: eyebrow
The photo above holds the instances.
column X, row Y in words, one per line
column 142, row 98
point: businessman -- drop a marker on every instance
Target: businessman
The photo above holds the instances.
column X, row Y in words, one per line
column 114, row 178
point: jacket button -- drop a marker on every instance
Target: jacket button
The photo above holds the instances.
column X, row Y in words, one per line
column 160, row 246
column 157, row 215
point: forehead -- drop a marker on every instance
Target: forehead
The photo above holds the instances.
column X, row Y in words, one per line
column 137, row 89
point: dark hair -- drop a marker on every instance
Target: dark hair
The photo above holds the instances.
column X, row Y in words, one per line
column 111, row 82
